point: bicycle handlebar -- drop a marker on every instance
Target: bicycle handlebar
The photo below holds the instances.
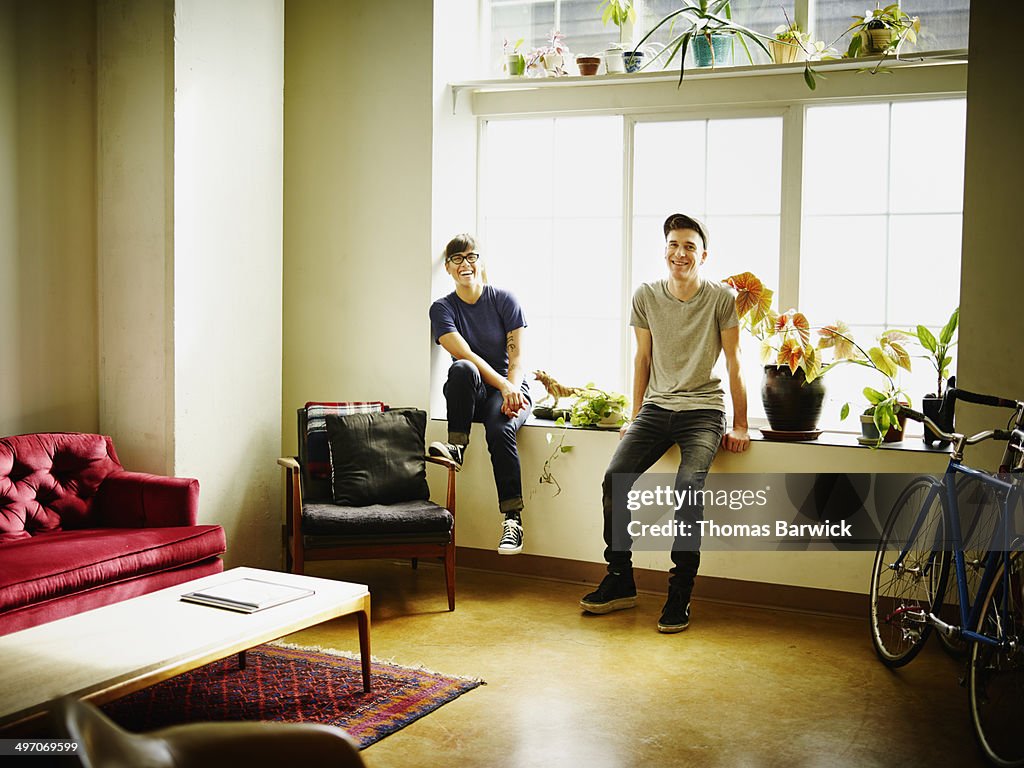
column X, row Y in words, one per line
column 955, row 393
column 990, row 434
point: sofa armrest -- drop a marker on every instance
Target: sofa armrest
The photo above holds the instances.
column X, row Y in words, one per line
column 140, row 500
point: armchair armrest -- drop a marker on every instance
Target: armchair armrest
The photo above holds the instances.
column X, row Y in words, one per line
column 289, row 462
column 140, row 500
column 452, row 469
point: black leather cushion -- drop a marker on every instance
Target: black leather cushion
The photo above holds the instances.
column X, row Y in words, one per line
column 407, row 517
column 378, row 458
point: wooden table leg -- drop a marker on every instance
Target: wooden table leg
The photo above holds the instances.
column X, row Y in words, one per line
column 364, row 642
column 241, row 660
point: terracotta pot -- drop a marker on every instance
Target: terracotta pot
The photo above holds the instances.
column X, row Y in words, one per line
column 588, row 65
column 790, row 403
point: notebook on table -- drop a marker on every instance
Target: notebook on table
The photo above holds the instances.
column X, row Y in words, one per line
column 247, row 595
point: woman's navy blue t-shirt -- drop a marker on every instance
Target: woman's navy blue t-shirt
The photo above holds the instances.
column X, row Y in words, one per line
column 484, row 325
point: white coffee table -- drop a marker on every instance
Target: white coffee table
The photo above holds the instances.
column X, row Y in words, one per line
column 106, row 653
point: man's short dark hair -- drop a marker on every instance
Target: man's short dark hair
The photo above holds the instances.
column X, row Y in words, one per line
column 682, row 221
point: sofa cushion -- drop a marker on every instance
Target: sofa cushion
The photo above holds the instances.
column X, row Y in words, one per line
column 48, row 481
column 51, row 565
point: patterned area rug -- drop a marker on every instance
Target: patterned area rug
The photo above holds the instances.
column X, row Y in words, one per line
column 288, row 683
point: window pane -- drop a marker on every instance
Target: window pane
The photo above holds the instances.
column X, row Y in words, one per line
column 842, row 269
column 529, row 20
column 743, row 244
column 924, row 270
column 746, row 166
column 838, row 177
column 553, row 236
column 944, row 23
column 928, row 156
column 587, row 168
column 669, row 168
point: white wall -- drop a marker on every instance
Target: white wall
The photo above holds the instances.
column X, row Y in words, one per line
column 228, row 166
column 135, row 236
column 47, row 216
column 357, row 202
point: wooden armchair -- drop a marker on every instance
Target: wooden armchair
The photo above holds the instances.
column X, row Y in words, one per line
column 317, row 528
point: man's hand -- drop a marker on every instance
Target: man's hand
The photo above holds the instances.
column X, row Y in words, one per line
column 736, row 440
column 513, row 402
column 623, row 428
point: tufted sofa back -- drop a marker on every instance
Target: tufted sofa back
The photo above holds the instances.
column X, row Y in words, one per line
column 48, row 481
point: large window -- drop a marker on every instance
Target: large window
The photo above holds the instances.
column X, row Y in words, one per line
column 878, row 229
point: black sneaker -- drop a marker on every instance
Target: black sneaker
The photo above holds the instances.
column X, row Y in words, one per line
column 449, row 451
column 675, row 616
column 616, row 592
column 511, row 537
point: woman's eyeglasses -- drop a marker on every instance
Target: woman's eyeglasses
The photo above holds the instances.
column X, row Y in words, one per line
column 459, row 258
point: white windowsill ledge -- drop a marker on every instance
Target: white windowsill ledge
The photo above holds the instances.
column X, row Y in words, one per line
column 926, row 59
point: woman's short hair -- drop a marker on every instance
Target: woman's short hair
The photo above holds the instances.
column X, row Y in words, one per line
column 459, row 244
column 682, row 221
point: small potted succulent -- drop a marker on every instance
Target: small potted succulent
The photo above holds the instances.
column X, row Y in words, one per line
column 515, row 62
column 882, row 31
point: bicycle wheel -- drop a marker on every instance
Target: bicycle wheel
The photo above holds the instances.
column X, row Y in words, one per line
column 995, row 674
column 903, row 594
column 979, row 513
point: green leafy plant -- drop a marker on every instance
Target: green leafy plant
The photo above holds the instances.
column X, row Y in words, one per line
column 515, row 62
column 619, row 12
column 882, row 30
column 887, row 358
column 595, row 406
column 939, row 347
column 702, row 18
column 546, row 475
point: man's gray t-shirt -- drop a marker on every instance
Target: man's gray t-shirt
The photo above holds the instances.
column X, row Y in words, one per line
column 686, row 343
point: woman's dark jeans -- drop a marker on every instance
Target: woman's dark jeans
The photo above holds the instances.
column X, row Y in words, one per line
column 471, row 400
column 698, row 435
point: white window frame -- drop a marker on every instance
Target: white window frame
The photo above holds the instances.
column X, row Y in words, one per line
column 648, row 99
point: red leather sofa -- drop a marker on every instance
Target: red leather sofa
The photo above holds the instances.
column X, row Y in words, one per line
column 77, row 531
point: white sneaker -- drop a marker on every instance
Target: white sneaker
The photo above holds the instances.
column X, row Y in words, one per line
column 511, row 537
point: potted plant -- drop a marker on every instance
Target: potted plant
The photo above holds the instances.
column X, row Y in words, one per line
column 882, row 421
column 938, row 349
column 595, row 407
column 792, row 391
column 515, row 62
column 708, row 26
column 882, row 31
column 622, row 14
column 550, row 56
column 790, row 43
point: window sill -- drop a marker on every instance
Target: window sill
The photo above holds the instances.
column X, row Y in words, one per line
column 696, row 74
column 911, row 443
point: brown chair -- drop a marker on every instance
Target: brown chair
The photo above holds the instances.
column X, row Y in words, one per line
column 104, row 744
column 317, row 528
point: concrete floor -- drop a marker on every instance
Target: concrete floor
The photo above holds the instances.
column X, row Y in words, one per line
column 741, row 687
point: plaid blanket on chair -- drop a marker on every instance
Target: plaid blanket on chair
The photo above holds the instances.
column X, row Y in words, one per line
column 318, row 457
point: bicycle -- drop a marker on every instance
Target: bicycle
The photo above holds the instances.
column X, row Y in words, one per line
column 922, row 538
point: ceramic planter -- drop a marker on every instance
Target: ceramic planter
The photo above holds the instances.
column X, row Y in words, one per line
column 931, row 407
column 785, row 53
column 870, row 432
column 613, row 63
column 552, row 63
column 588, row 65
column 719, row 53
column 633, row 60
column 790, row 403
column 515, row 64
